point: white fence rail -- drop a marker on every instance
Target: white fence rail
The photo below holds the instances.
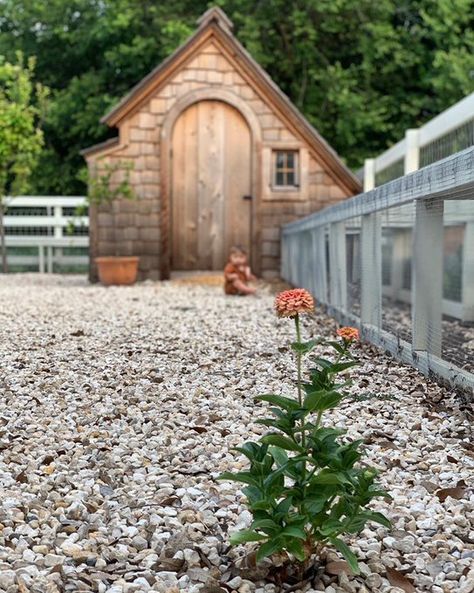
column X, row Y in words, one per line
column 45, row 233
column 385, row 259
column 447, row 133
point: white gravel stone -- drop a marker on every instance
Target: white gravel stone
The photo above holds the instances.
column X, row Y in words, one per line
column 119, row 407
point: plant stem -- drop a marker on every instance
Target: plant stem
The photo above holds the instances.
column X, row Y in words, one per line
column 299, row 357
column 318, row 419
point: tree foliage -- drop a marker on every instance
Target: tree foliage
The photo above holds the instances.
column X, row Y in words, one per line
column 21, row 138
column 361, row 71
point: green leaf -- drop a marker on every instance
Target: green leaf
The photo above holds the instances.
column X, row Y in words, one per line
column 377, row 518
column 279, row 440
column 296, row 548
column 252, row 451
column 304, row 347
column 294, row 531
column 324, row 363
column 322, row 400
column 279, row 400
column 342, row 366
column 314, row 504
column 269, row 548
column 246, row 536
column 279, row 455
column 245, row 477
column 266, row 525
column 327, row 476
column 347, row 553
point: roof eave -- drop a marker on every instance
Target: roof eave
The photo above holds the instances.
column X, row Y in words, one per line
column 99, row 147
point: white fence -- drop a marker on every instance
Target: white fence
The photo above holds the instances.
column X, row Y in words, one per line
column 449, row 132
column 44, row 233
column 386, row 259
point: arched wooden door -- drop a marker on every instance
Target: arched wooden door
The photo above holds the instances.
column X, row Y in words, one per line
column 211, row 178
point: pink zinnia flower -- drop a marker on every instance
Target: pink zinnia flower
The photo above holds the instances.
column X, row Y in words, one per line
column 290, row 303
column 348, row 334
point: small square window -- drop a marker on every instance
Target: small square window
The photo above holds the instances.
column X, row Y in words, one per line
column 285, row 169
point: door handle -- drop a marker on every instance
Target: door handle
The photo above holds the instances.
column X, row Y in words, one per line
column 247, row 198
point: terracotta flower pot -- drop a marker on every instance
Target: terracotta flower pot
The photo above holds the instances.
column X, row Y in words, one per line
column 117, row 270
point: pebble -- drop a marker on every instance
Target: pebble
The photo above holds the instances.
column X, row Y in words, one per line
column 119, row 408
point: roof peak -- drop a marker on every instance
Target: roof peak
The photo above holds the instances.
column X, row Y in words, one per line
column 215, row 14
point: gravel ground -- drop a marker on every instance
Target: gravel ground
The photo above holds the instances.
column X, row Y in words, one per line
column 118, row 407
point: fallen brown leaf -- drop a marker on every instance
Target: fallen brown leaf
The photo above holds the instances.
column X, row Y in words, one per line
column 397, row 579
column 338, row 567
column 457, row 493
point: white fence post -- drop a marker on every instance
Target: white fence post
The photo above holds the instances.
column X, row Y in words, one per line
column 369, row 174
column 412, row 151
column 467, row 298
column 49, row 246
column 427, row 278
column 400, row 253
column 337, row 265
column 318, row 236
column 371, row 258
column 371, row 270
column 41, row 259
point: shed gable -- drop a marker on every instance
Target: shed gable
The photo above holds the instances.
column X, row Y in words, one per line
column 212, row 66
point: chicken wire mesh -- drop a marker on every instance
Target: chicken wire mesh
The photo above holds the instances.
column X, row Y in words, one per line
column 353, row 265
column 398, row 261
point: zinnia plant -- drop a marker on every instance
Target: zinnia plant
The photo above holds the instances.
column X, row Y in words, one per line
column 305, row 484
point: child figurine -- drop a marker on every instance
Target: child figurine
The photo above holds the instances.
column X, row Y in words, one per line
column 237, row 273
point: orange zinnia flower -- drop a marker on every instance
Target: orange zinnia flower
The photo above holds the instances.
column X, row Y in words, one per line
column 290, row 303
column 349, row 334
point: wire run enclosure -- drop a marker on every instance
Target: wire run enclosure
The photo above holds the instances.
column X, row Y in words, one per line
column 398, row 262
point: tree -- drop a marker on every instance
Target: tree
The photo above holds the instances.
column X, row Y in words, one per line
column 21, row 138
column 361, row 71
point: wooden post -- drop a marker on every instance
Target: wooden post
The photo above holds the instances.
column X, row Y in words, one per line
column 371, row 270
column 337, row 266
column 427, row 276
column 412, row 153
column 468, row 273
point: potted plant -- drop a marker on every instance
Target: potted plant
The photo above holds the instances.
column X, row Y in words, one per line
column 103, row 189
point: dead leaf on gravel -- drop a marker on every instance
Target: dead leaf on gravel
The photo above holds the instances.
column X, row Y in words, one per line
column 457, row 493
column 387, row 445
column 429, row 486
column 169, row 501
column 169, row 564
column 338, row 567
column 397, row 579
column 198, row 429
column 22, row 478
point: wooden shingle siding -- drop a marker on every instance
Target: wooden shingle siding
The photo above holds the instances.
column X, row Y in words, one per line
column 208, row 68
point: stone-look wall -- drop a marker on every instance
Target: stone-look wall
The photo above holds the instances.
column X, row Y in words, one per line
column 138, row 222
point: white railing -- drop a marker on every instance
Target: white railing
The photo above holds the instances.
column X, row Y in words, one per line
column 405, row 154
column 38, row 232
column 429, row 204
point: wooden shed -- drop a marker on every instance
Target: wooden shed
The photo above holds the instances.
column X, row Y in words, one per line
column 219, row 156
